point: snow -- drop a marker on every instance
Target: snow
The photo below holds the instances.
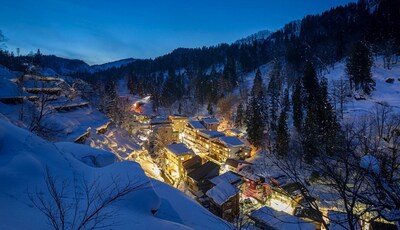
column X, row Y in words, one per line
column 222, row 192
column 179, row 149
column 196, row 124
column 384, row 92
column 231, row 141
column 259, row 36
column 90, row 156
column 25, row 157
column 229, row 177
column 109, row 65
column 210, row 121
column 280, row 220
column 370, row 163
column 210, row 133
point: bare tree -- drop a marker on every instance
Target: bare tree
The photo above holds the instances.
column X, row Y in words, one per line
column 86, row 206
column 225, row 105
column 341, row 90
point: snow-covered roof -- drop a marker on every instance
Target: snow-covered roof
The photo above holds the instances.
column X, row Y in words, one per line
column 196, row 125
column 210, row 133
column 179, row 149
column 236, row 162
column 280, row 220
column 205, row 171
column 222, row 192
column 250, row 175
column 231, row 141
column 229, row 177
column 210, row 121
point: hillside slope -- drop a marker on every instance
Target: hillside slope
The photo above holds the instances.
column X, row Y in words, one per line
column 25, row 158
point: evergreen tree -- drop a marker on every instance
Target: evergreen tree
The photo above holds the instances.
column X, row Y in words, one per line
column 229, row 74
column 274, row 91
column 286, row 101
column 311, row 136
column 239, row 120
column 282, row 135
column 256, row 112
column 255, row 121
column 311, row 85
column 257, row 84
column 297, row 106
column 358, row 68
column 210, row 108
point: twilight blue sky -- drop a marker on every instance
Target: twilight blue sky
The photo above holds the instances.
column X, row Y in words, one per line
column 106, row 30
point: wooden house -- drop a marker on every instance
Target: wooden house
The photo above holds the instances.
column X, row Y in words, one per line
column 198, row 180
column 175, row 155
column 224, row 200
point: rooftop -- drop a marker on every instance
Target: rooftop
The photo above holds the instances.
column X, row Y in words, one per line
column 196, row 125
column 211, row 134
column 236, row 162
column 280, row 220
column 222, row 192
column 230, row 177
column 192, row 162
column 231, row 141
column 210, row 121
column 179, row 149
column 204, row 171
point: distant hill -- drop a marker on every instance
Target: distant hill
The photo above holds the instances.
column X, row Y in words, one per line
column 114, row 64
column 259, row 36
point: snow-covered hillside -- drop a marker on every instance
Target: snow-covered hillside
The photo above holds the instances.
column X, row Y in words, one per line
column 109, row 65
column 259, row 36
column 25, row 158
column 384, row 92
column 66, row 114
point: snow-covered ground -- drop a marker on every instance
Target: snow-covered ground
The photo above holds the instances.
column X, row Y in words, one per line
column 24, row 159
column 384, row 92
column 65, row 126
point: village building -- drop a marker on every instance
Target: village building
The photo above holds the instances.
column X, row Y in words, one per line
column 226, row 147
column 267, row 218
column 191, row 164
column 204, row 138
column 175, row 155
column 229, row 177
column 163, row 135
column 287, row 197
column 210, row 123
column 198, row 180
column 254, row 186
column 233, row 133
column 190, row 132
column 178, row 122
column 142, row 112
column 159, row 121
column 235, row 165
column 224, row 200
column 310, row 215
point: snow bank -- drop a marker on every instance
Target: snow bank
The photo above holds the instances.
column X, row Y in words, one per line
column 24, row 159
column 90, row 156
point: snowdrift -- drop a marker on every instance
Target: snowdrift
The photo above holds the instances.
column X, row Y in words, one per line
column 25, row 159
